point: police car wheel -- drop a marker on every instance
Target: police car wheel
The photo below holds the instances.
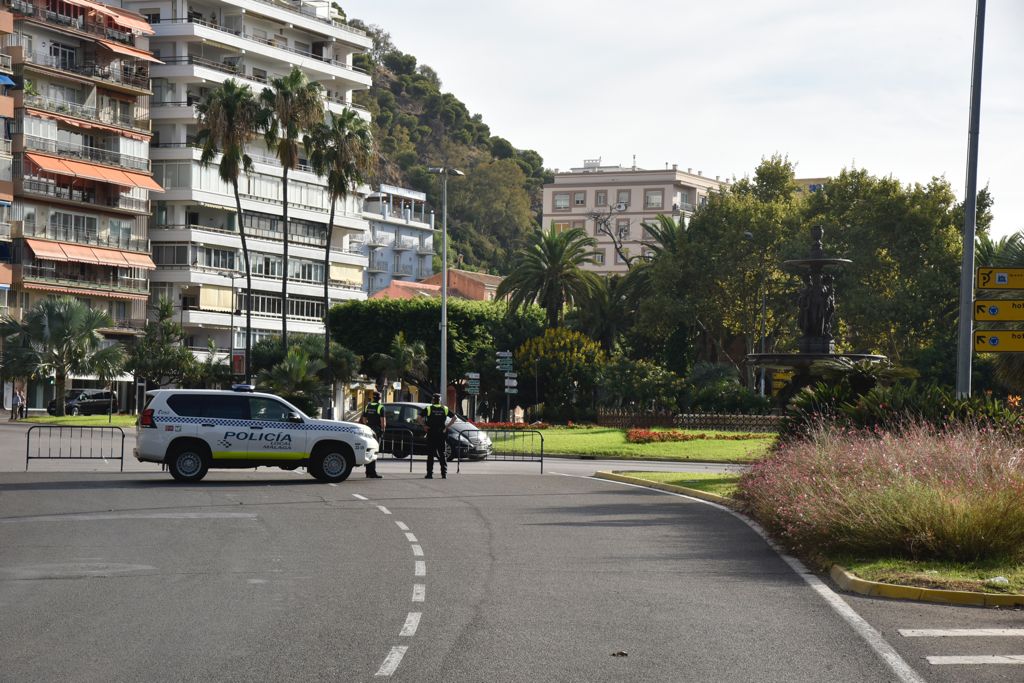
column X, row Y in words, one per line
column 187, row 463
column 331, row 464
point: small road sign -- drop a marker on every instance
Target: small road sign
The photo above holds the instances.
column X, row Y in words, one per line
column 503, row 354
column 511, row 374
column 511, row 383
column 511, row 390
column 998, row 341
column 999, row 309
column 1000, row 278
column 473, row 390
column 472, row 375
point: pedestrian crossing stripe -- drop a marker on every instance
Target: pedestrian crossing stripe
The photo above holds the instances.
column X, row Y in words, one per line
column 976, row 659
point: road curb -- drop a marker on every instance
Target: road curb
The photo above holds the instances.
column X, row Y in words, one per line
column 843, row 578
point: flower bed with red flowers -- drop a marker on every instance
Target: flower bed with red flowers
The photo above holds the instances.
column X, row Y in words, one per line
column 647, row 436
column 510, row 425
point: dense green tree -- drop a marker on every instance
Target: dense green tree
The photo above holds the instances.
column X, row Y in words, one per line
column 564, row 365
column 228, row 118
column 297, row 379
column 606, row 311
column 489, row 211
column 291, row 105
column 404, row 360
column 59, row 337
column 548, row 272
column 159, row 356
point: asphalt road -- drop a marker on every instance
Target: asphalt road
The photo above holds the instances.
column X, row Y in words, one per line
column 486, row 576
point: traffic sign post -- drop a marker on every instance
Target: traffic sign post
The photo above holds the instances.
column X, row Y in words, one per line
column 999, row 341
column 1000, row 278
column 995, row 310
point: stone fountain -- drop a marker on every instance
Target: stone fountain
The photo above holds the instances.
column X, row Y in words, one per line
column 817, row 307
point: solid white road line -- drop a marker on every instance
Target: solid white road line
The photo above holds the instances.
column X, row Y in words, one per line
column 384, row 509
column 412, row 622
column 103, row 516
column 421, row 568
column 356, row 495
column 961, row 632
column 402, row 526
column 419, row 592
column 392, row 661
column 417, row 550
column 410, row 537
column 871, row 636
column 977, row 659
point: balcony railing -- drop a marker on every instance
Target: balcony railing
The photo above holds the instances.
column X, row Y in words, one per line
column 404, row 269
column 136, row 76
column 83, row 111
column 97, row 154
column 5, row 232
column 5, row 63
column 227, row 68
column 297, row 6
column 89, row 238
column 258, row 233
column 50, row 188
column 377, row 265
column 78, row 23
column 425, row 249
column 404, row 244
column 52, row 275
column 5, row 147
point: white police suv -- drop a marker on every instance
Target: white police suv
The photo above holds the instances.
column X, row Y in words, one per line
column 192, row 430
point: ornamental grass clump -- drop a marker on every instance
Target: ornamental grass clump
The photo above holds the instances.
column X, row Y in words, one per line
column 920, row 493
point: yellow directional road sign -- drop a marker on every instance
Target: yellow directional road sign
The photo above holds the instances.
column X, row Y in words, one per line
column 1000, row 278
column 999, row 309
column 998, row 341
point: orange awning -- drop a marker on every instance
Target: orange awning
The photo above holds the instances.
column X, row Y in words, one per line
column 50, row 251
column 138, row 260
column 85, row 290
column 84, row 170
column 109, row 257
column 119, row 177
column 49, row 164
column 79, row 253
column 89, row 125
column 144, row 181
column 131, row 21
column 128, row 51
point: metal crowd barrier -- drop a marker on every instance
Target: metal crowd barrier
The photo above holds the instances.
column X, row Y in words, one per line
column 523, row 445
column 62, row 442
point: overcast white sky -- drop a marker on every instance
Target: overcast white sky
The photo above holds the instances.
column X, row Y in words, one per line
column 877, row 84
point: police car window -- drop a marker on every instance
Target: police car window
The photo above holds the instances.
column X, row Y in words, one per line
column 225, row 407
column 186, row 405
column 268, row 410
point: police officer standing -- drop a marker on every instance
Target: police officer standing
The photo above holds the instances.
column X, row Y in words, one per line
column 374, row 418
column 438, row 417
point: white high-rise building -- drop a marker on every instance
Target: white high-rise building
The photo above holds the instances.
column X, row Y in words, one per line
column 194, row 231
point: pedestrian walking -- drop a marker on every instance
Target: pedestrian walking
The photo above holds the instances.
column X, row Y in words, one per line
column 374, row 418
column 15, row 404
column 437, row 418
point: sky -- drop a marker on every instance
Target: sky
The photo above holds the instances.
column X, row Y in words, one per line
column 716, row 86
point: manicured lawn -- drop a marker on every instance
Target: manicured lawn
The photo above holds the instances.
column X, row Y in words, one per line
column 85, row 420
column 711, row 482
column 943, row 575
column 607, row 442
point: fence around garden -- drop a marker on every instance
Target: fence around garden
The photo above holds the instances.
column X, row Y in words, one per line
column 63, row 442
column 626, row 419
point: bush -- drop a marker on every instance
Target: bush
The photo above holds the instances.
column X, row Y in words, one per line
column 921, row 493
column 716, row 388
column 648, row 436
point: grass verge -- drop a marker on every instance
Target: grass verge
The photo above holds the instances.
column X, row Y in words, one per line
column 608, row 442
column 709, row 482
column 84, row 420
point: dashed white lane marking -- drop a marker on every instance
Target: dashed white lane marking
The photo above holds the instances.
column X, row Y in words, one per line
column 419, row 592
column 96, row 517
column 417, row 550
column 392, row 661
column 904, row 672
column 412, row 622
column 961, row 632
column 384, row 509
column 410, row 537
column 421, row 568
column 977, row 659
column 356, row 495
column 402, row 526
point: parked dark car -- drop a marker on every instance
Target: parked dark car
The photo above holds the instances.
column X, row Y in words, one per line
column 465, row 441
column 85, row 402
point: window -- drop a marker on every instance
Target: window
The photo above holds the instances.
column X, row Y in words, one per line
column 268, row 410
column 618, row 257
column 561, row 201
column 653, row 199
column 225, row 407
column 601, row 197
column 599, row 257
column 561, row 226
column 622, row 228
column 152, row 15
column 622, row 197
column 579, row 198
column 63, row 56
column 214, row 258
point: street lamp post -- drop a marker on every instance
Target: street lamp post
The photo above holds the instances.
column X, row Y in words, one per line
column 444, row 172
column 231, row 342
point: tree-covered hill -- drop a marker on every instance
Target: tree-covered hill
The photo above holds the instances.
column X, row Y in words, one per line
column 416, row 125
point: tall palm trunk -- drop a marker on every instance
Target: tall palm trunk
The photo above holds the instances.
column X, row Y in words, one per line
column 327, row 302
column 248, row 288
column 284, row 274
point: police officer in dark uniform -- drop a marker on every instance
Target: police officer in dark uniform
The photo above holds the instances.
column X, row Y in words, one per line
column 374, row 418
column 437, row 418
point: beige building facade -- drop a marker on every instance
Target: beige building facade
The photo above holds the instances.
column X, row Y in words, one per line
column 611, row 204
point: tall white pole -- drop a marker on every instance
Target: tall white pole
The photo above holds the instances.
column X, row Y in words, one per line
column 444, row 287
column 965, row 346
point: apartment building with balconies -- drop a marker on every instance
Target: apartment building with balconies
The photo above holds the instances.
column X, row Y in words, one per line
column 195, row 235
column 80, row 157
column 7, row 83
column 400, row 242
column 620, row 200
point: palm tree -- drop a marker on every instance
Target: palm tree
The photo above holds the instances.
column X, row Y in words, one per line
column 666, row 236
column 405, row 360
column 606, row 311
column 292, row 104
column 548, row 272
column 296, row 378
column 60, row 337
column 340, row 151
column 227, row 120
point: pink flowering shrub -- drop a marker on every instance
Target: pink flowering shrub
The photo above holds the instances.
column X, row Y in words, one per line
column 954, row 495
